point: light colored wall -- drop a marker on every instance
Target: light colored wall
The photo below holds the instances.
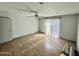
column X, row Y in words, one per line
column 24, row 25
column 5, row 29
column 78, row 35
column 21, row 25
column 0, row 31
column 42, row 25
column 68, row 27
column 1, row 24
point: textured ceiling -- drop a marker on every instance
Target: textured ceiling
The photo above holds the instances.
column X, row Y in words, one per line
column 46, row 9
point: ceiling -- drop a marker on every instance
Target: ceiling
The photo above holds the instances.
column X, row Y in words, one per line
column 46, row 9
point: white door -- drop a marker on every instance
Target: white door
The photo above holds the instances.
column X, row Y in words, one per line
column 5, row 29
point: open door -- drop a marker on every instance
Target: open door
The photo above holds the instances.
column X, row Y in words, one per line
column 5, row 29
column 53, row 27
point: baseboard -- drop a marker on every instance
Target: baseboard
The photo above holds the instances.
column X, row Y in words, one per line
column 26, row 35
column 6, row 41
column 42, row 32
column 67, row 39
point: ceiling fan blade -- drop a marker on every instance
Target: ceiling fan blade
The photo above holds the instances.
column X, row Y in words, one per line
column 29, row 16
column 36, row 14
column 27, row 6
column 27, row 10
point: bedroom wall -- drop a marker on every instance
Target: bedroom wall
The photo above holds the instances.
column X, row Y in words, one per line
column 21, row 25
column 42, row 25
column 24, row 25
column 68, row 27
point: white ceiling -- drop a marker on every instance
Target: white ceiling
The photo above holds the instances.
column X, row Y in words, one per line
column 46, row 9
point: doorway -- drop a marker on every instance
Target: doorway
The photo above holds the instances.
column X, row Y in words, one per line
column 53, row 28
column 5, row 29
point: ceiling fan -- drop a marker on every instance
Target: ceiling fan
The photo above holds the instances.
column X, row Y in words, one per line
column 34, row 13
